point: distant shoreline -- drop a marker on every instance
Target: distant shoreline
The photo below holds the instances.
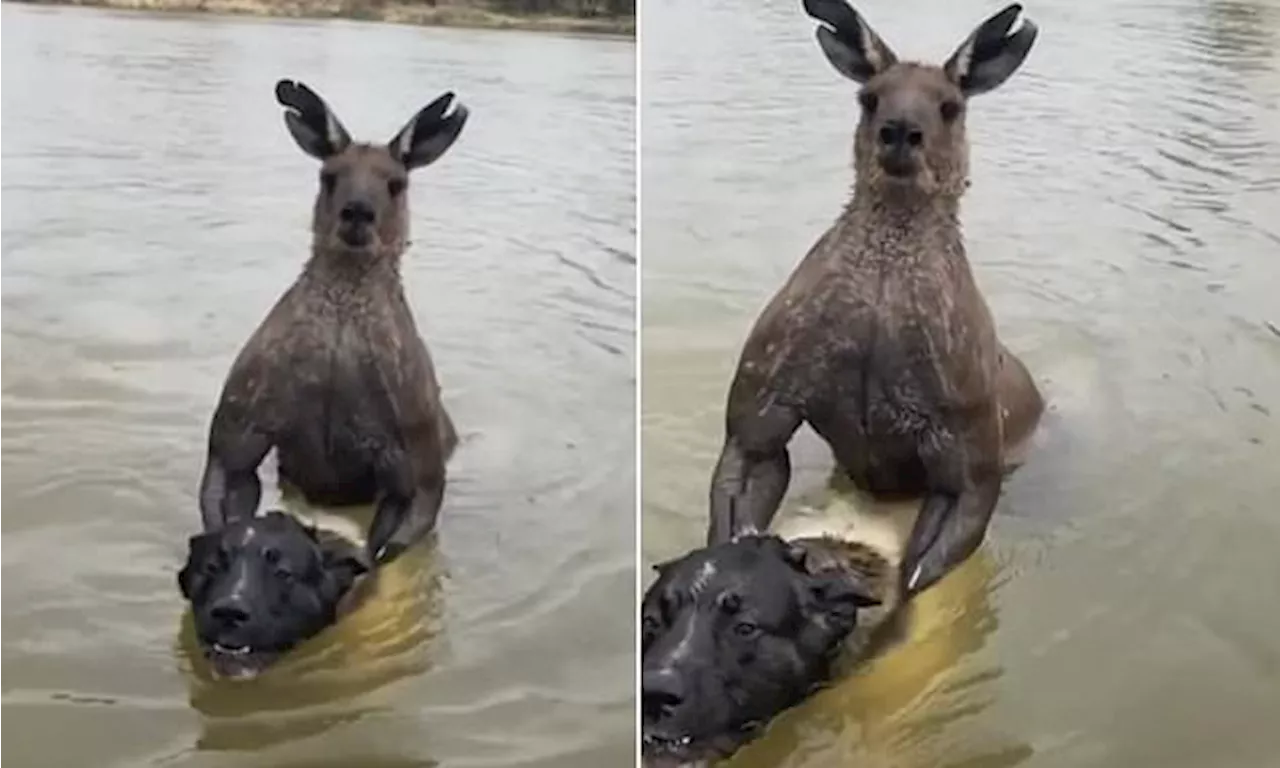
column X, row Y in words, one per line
column 391, row 11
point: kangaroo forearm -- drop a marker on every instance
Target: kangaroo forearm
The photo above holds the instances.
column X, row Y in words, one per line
column 227, row 496
column 746, row 491
column 950, row 528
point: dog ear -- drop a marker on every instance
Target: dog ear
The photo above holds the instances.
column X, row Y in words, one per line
column 201, row 549
column 666, row 572
column 342, row 560
column 654, row 591
column 794, row 555
column 797, row 557
column 663, row 567
column 838, row 595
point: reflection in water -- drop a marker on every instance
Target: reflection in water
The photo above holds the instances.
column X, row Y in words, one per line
column 388, row 635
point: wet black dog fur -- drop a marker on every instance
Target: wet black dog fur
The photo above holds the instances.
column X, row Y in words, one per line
column 261, row 586
column 733, row 634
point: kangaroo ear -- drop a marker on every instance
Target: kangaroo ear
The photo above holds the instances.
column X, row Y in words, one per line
column 430, row 133
column 312, row 124
column 850, row 44
column 990, row 54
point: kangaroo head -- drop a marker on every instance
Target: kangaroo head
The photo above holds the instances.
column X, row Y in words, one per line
column 361, row 206
column 911, row 133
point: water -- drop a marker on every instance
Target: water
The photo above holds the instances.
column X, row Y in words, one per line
column 1123, row 225
column 154, row 208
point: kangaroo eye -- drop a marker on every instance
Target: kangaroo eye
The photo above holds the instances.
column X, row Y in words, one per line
column 869, row 101
column 395, row 186
column 328, row 180
column 950, row 110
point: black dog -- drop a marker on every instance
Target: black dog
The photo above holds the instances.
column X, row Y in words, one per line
column 737, row 632
column 262, row 585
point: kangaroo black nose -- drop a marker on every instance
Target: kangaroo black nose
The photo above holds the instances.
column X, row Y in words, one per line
column 357, row 212
column 895, row 133
column 229, row 612
column 662, row 692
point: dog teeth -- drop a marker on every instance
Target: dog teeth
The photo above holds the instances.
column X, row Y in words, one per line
column 673, row 741
column 230, row 651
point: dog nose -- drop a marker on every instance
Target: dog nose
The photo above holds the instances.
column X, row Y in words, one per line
column 229, row 612
column 662, row 692
column 896, row 133
column 357, row 212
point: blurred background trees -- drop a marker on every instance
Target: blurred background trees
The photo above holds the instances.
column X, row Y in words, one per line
column 582, row 8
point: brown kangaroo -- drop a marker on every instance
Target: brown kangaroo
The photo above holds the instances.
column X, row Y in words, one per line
column 336, row 378
column 880, row 340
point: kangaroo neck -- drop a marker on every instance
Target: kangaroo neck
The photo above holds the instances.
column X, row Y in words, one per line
column 902, row 204
column 898, row 222
column 344, row 270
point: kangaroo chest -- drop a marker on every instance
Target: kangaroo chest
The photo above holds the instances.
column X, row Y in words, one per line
column 352, row 389
column 883, row 356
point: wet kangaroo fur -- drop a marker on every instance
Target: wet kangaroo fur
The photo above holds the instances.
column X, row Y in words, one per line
column 880, row 340
column 336, row 378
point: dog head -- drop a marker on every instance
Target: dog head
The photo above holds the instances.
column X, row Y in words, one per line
column 261, row 586
column 733, row 635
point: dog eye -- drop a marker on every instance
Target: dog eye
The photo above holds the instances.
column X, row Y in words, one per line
column 746, row 629
column 214, row 564
column 395, row 186
column 328, row 180
column 950, row 110
column 271, row 555
column 284, row 575
column 869, row 101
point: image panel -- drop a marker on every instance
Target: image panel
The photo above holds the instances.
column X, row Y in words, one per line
column 960, row 366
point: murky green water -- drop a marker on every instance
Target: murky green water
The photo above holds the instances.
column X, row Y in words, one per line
column 1123, row 225
column 153, row 209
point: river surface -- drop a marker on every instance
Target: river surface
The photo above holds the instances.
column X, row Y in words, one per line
column 1124, row 224
column 154, row 208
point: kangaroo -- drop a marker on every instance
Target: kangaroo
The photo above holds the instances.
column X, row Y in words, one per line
column 880, row 339
column 336, row 378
